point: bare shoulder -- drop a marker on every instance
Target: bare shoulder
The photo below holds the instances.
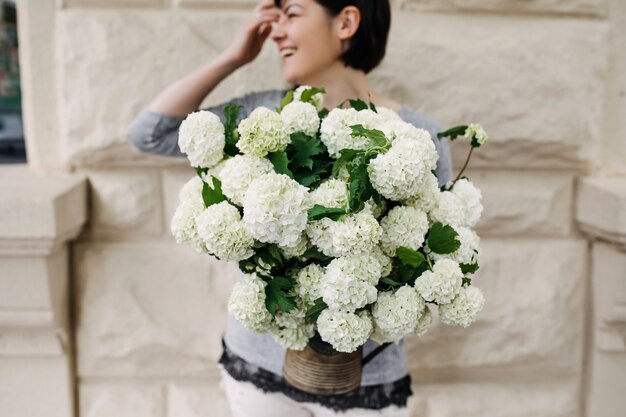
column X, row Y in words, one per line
column 383, row 101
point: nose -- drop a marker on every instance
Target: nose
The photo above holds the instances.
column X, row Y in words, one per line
column 278, row 31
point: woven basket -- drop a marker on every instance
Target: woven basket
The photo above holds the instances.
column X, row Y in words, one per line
column 319, row 369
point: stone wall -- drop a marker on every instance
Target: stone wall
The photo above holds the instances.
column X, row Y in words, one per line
column 546, row 79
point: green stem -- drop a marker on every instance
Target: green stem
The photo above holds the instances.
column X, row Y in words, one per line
column 429, row 262
column 464, row 166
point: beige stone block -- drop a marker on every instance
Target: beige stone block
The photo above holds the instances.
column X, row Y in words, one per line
column 209, row 3
column 113, row 3
column 601, row 207
column 38, row 212
column 515, row 75
column 524, row 202
column 125, row 202
column 197, row 400
column 173, row 181
column 605, row 396
column 150, row 309
column 32, row 387
column 122, row 400
column 614, row 146
column 583, row 7
column 532, row 320
column 497, row 399
column 113, row 62
column 34, row 291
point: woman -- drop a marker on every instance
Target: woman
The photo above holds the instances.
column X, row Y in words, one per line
column 323, row 43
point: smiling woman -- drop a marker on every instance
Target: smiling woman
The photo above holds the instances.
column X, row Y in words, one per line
column 323, row 43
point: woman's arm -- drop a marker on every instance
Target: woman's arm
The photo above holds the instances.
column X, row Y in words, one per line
column 155, row 129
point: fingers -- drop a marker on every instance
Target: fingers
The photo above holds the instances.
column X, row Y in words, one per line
column 265, row 19
column 264, row 5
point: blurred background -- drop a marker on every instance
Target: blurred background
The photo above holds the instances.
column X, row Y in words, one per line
column 102, row 314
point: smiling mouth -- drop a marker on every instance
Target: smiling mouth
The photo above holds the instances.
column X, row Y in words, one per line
column 287, row 52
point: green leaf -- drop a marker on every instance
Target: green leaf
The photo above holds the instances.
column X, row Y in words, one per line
column 280, row 162
column 247, row 266
column 318, row 212
column 314, row 254
column 409, row 256
column 359, row 186
column 391, row 282
column 286, row 100
column 466, row 281
column 308, row 94
column 231, row 114
column 323, row 113
column 376, row 137
column 201, row 171
column 213, row 195
column 275, row 252
column 314, row 311
column 276, row 297
column 347, row 156
column 443, row 239
column 453, row 132
column 302, row 148
column 358, row 104
column 469, row 268
column 374, row 109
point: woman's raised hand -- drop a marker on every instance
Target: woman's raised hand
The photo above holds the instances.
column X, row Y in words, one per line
column 251, row 36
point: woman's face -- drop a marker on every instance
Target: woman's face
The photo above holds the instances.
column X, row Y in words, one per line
column 306, row 40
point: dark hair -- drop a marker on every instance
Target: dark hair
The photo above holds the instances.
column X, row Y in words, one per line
column 368, row 45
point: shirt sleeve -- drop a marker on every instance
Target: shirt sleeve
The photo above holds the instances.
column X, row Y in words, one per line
column 444, row 163
column 157, row 133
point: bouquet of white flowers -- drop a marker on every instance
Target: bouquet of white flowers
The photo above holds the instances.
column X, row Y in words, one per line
column 336, row 218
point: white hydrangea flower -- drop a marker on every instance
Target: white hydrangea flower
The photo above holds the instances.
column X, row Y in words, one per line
column 386, row 265
column 296, row 250
column 317, row 100
column 424, row 322
column 463, row 309
column 428, row 196
column 247, row 304
column 293, row 338
column 201, row 137
column 291, row 319
column 398, row 129
column 308, row 283
column 336, row 134
column 375, row 209
column 238, row 172
column 400, row 173
column 183, row 223
column 449, row 210
column 387, row 114
column 403, row 226
column 441, row 284
column 183, row 226
column 344, row 330
column 223, row 232
column 263, row 131
column 353, row 234
column 191, row 192
column 468, row 252
column 396, row 314
column 475, row 130
column 332, row 193
column 349, row 282
column 300, row 117
column 470, row 197
column 275, row 209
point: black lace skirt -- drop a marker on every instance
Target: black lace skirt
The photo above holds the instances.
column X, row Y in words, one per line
column 373, row 397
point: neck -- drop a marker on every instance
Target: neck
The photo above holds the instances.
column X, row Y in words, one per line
column 341, row 83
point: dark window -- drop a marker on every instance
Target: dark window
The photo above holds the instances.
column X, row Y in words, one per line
column 12, row 147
